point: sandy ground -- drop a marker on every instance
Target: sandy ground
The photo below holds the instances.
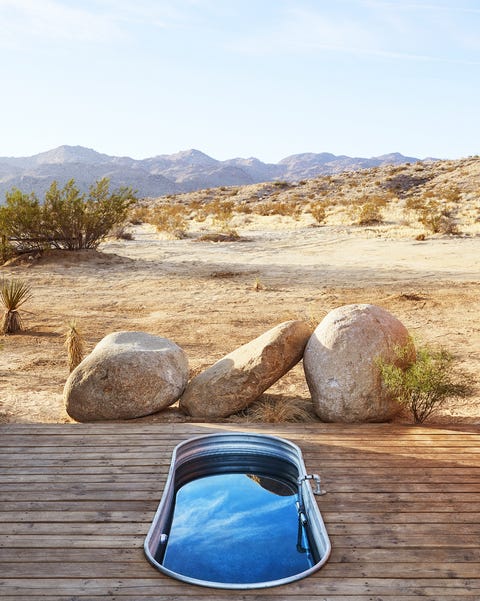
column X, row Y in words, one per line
column 212, row 297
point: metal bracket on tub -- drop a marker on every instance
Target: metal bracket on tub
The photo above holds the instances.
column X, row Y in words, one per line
column 316, row 478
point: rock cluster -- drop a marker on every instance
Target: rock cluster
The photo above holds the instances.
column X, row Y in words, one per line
column 132, row 374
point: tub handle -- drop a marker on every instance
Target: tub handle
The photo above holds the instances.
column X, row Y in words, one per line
column 317, row 490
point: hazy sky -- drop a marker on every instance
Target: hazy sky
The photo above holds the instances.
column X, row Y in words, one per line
column 265, row 78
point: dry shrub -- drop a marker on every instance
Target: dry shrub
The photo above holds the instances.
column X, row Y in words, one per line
column 74, row 345
column 367, row 213
column 244, row 208
column 139, row 215
column 170, row 218
column 283, row 208
column 13, row 294
column 414, row 203
column 120, row 232
column 229, row 236
column 437, row 218
column 451, row 193
column 318, row 210
column 279, row 409
column 258, row 284
column 221, row 211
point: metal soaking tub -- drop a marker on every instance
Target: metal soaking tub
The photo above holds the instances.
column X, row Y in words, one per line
column 238, row 512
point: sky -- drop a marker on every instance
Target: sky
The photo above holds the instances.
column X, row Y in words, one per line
column 241, row 78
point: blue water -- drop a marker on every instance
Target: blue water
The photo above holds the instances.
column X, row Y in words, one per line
column 238, row 529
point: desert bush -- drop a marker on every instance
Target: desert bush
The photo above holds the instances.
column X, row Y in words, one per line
column 437, row 218
column 120, row 232
column 7, row 250
column 74, row 345
column 13, row 293
column 171, row 219
column 244, row 208
column 318, row 210
column 221, row 212
column 67, row 219
column 451, row 193
column 258, row 284
column 426, row 384
column 138, row 215
column 230, row 235
column 283, row 208
column 413, row 203
column 368, row 213
column 21, row 220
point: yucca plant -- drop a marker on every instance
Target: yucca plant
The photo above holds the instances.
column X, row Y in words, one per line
column 14, row 293
column 74, row 345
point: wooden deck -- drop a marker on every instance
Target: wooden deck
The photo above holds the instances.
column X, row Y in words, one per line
column 76, row 501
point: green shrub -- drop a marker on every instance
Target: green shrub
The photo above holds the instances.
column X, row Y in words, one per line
column 425, row 384
column 21, row 220
column 67, row 219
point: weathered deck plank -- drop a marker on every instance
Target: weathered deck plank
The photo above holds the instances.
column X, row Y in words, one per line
column 76, row 501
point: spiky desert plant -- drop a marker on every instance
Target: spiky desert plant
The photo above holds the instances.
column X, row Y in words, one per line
column 14, row 293
column 74, row 344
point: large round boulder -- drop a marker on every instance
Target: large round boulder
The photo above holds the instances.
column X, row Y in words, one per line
column 127, row 375
column 240, row 378
column 341, row 363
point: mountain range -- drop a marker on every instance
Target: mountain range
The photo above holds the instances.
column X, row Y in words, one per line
column 184, row 171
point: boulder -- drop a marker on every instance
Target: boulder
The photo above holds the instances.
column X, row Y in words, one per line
column 340, row 363
column 238, row 379
column 127, row 375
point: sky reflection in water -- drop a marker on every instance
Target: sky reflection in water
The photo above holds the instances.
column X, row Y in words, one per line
column 229, row 528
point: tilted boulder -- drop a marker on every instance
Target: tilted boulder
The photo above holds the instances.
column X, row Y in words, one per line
column 127, row 375
column 341, row 363
column 240, row 378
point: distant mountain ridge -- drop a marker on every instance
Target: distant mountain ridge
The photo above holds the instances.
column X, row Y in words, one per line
column 183, row 171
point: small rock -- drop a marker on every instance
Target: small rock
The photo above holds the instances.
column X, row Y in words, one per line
column 127, row 375
column 340, row 363
column 242, row 376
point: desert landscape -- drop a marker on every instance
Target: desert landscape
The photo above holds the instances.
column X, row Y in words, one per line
column 270, row 253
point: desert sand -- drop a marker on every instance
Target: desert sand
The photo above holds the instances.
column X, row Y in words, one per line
column 212, row 297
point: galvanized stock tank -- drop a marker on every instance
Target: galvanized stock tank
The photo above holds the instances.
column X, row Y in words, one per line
column 238, row 512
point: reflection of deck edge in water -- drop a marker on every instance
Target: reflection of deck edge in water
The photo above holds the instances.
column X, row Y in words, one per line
column 226, row 454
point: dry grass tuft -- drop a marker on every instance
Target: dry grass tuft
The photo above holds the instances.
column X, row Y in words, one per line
column 279, row 409
column 75, row 346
